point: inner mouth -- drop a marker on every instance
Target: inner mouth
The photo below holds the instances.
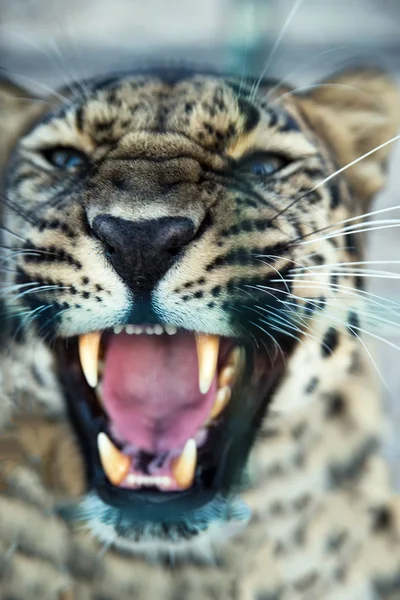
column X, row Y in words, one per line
column 162, row 413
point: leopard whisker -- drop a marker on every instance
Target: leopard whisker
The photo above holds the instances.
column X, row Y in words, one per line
column 303, row 66
column 374, row 273
column 312, row 86
column 277, row 346
column 43, row 288
column 31, row 316
column 335, row 174
column 316, row 304
column 349, row 263
column 275, row 47
column 7, row 230
column 362, row 228
column 360, row 311
column 18, row 286
column 53, row 93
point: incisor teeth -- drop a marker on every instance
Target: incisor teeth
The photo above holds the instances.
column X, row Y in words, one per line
column 148, row 480
column 207, row 354
column 184, row 467
column 170, row 329
column 116, row 465
column 221, row 401
column 89, row 345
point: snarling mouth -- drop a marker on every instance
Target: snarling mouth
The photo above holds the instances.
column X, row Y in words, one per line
column 164, row 414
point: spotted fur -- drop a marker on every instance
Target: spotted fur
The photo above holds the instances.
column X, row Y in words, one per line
column 321, row 520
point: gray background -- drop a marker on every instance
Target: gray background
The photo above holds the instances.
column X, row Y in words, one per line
column 45, row 43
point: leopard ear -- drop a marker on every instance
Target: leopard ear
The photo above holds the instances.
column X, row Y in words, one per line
column 17, row 110
column 355, row 112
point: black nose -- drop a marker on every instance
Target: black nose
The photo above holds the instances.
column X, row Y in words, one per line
column 142, row 251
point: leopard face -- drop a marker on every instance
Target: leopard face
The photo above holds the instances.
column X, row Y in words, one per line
column 158, row 225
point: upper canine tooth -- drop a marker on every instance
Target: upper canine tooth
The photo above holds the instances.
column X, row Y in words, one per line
column 184, row 467
column 89, row 345
column 116, row 465
column 207, row 354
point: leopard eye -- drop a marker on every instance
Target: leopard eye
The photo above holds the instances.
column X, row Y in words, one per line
column 266, row 166
column 65, row 158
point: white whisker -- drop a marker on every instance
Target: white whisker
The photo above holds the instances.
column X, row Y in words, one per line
column 275, row 47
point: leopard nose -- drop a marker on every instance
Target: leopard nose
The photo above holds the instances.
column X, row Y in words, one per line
column 141, row 252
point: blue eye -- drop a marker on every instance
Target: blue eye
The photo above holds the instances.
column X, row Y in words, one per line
column 65, row 158
column 266, row 166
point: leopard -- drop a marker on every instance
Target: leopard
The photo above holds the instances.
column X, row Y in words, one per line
column 188, row 407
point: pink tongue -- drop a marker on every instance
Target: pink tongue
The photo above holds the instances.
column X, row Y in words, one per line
column 151, row 391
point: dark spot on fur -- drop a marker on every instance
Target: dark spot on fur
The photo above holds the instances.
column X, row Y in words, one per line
column 289, row 124
column 251, row 114
column 358, row 282
column 103, row 126
column 336, row 405
column 355, row 363
column 318, row 259
column 80, row 118
column 198, row 294
column 85, row 280
column 299, row 431
column 353, row 323
column 329, row 342
column 336, row 541
column 306, row 582
column 335, row 195
column 383, row 519
column 309, row 308
column 334, row 282
column 37, row 376
column 311, row 386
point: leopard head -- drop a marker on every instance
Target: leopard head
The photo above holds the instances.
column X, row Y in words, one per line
column 153, row 224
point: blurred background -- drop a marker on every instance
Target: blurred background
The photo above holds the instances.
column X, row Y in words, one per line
column 47, row 43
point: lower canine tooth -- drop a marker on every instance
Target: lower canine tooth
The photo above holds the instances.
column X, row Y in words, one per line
column 89, row 345
column 116, row 465
column 184, row 467
column 221, row 401
column 235, row 358
column 227, row 377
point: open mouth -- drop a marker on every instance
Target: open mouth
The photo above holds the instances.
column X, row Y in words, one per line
column 164, row 414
